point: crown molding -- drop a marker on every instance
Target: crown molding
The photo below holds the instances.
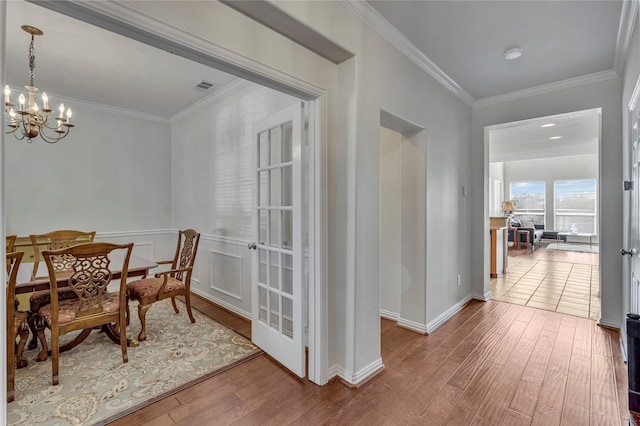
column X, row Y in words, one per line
column 387, row 31
column 69, row 101
column 218, row 94
column 625, row 30
column 548, row 88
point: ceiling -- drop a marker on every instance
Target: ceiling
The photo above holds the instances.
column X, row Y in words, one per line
column 81, row 61
column 574, row 134
column 560, row 40
column 466, row 39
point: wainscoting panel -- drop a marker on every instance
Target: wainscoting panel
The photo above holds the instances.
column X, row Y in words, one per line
column 226, row 274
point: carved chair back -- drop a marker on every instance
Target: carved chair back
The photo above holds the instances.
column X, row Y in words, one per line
column 54, row 241
column 185, row 254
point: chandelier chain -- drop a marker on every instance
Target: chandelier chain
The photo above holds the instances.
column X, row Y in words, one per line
column 32, row 59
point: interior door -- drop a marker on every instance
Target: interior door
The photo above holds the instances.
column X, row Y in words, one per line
column 634, row 220
column 277, row 322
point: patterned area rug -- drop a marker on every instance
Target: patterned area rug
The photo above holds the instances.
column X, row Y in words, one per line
column 584, row 248
column 97, row 387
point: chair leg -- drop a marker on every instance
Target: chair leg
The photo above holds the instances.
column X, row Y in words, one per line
column 142, row 312
column 175, row 307
column 128, row 312
column 44, row 353
column 11, row 364
column 31, row 320
column 55, row 349
column 21, row 362
column 187, row 298
column 123, row 339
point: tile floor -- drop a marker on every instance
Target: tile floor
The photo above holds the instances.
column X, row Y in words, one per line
column 570, row 288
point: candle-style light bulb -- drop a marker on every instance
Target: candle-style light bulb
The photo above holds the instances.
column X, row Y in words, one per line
column 7, row 94
column 61, row 110
column 21, row 101
column 69, row 115
column 35, row 107
column 45, row 100
column 12, row 113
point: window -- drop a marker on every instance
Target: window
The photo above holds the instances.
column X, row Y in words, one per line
column 529, row 199
column 575, row 203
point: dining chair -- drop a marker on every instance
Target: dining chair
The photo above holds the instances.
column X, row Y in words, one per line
column 16, row 326
column 50, row 241
column 91, row 272
column 174, row 282
column 11, row 240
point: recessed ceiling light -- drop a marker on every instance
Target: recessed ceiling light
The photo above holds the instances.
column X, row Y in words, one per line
column 555, row 137
column 512, row 53
column 548, row 125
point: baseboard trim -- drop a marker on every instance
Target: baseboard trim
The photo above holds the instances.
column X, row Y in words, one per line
column 612, row 325
column 389, row 315
column 229, row 307
column 446, row 315
column 355, row 380
column 413, row 326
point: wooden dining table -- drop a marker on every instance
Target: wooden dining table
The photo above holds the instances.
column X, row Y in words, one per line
column 138, row 267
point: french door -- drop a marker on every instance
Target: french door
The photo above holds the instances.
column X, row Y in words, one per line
column 277, row 298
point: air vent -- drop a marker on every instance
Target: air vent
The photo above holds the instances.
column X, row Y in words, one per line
column 203, row 85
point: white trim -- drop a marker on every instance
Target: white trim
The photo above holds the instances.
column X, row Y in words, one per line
column 635, row 96
column 548, row 88
column 387, row 31
column 389, row 315
column 143, row 233
column 241, row 312
column 358, row 377
column 225, row 240
column 446, row 315
column 623, row 350
column 73, row 102
column 217, row 96
column 625, row 30
column 3, row 293
column 608, row 323
column 412, row 325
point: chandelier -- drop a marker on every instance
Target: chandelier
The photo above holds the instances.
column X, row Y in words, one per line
column 29, row 120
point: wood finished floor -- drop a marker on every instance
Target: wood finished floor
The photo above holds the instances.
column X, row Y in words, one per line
column 555, row 280
column 493, row 363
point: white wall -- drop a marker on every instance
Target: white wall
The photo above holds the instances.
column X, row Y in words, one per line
column 213, row 165
column 549, row 170
column 390, row 223
column 111, row 173
column 605, row 95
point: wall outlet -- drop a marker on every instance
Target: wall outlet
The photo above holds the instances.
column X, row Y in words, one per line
column 458, row 279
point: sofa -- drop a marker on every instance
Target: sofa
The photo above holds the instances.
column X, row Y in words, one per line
column 536, row 232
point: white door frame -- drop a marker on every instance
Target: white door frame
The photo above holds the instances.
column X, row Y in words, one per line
column 158, row 34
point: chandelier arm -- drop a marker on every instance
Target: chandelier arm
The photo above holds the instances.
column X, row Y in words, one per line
column 50, row 139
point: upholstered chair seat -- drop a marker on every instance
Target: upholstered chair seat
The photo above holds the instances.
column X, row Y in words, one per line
column 68, row 309
column 148, row 288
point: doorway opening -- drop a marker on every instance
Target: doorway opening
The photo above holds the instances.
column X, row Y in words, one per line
column 548, row 169
column 223, row 246
column 402, row 226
